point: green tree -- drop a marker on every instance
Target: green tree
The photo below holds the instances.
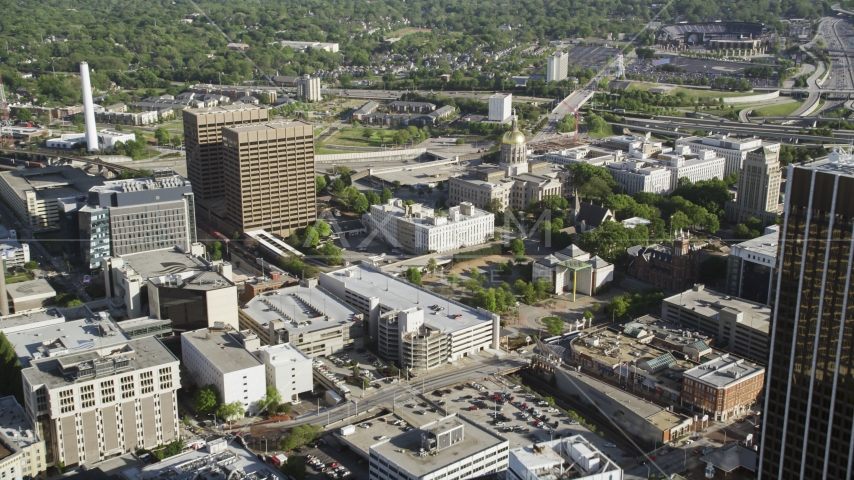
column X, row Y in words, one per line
column 331, row 254
column 517, row 246
column 385, row 196
column 432, row 265
column 413, row 274
column 173, row 448
column 25, row 115
column 361, row 205
column 554, row 325
column 452, row 278
column 230, row 411
column 319, row 184
column 372, row 197
column 161, row 134
column 206, row 399
column 294, row 467
column 337, row 186
column 74, row 303
column 595, row 123
column 311, row 237
column 270, row 402
column 10, row 373
column 300, row 435
column 617, row 307
column 31, row 265
column 323, row 228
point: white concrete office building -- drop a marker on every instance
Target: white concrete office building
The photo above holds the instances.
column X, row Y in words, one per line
column 558, row 67
column 26, row 457
column 451, row 448
column 214, row 356
column 403, row 317
column 287, row 369
column 733, row 149
column 641, row 176
column 418, row 229
column 683, row 163
column 500, row 107
column 93, row 393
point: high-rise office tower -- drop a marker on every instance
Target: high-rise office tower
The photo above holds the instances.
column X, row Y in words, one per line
column 500, row 107
column 809, row 407
column 203, row 139
column 759, row 187
column 308, row 88
column 558, row 67
column 269, row 173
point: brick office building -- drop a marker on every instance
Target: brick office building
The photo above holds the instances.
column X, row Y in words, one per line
column 724, row 387
column 673, row 268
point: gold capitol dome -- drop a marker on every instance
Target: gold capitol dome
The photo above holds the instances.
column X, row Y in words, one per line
column 514, row 136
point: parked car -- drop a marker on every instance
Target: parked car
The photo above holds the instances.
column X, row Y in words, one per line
column 472, row 408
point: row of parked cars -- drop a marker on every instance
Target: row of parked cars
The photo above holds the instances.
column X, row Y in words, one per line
column 332, row 469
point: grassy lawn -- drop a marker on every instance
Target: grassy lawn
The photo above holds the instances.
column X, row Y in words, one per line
column 779, row 110
column 352, row 136
column 328, row 151
column 606, row 132
column 407, row 31
column 17, row 277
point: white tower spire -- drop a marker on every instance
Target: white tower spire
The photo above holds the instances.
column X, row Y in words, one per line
column 88, row 108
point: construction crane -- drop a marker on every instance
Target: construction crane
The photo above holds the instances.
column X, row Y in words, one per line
column 574, row 111
column 5, row 122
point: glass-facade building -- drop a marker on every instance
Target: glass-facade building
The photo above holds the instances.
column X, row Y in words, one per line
column 808, row 419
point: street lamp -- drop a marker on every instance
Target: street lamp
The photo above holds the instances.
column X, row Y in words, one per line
column 214, row 417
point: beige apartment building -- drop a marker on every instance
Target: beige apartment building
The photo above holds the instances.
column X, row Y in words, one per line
column 203, row 140
column 269, row 176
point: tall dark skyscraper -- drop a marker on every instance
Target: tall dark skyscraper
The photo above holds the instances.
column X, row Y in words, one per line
column 809, row 409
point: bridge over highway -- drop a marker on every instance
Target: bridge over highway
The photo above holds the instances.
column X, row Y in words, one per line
column 53, row 158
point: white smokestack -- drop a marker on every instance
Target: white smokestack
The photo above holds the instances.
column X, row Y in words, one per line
column 88, row 109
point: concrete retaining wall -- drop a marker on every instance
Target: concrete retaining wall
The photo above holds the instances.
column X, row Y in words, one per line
column 415, row 166
column 371, row 156
column 752, row 98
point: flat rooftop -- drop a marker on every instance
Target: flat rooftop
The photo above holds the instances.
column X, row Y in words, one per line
column 285, row 352
column 547, row 455
column 639, row 406
column 222, row 109
column 293, row 306
column 396, row 294
column 51, row 182
column 15, row 424
column 169, row 261
column 30, row 319
column 185, row 465
column 139, row 184
column 221, row 349
column 146, row 352
column 709, row 303
column 669, row 332
column 67, row 338
column 261, row 127
column 403, row 448
column 630, row 355
column 764, row 245
column 837, row 163
column 724, row 370
column 38, row 288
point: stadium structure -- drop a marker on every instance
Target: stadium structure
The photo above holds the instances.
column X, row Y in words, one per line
column 717, row 35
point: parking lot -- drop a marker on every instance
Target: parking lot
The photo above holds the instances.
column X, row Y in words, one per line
column 513, row 423
column 590, row 56
column 340, row 365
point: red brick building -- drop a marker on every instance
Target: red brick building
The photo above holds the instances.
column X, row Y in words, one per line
column 673, row 268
